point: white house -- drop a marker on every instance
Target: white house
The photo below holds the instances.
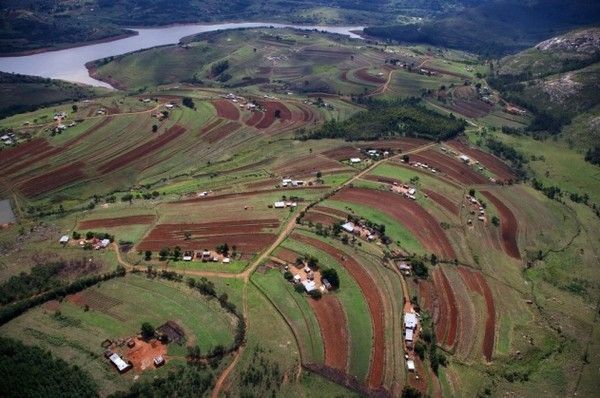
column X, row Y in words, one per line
column 409, row 335
column 119, row 362
column 104, row 243
column 354, row 160
column 279, row 205
column 309, row 285
column 410, row 364
column 410, row 320
column 64, row 239
column 464, row 158
column 349, row 227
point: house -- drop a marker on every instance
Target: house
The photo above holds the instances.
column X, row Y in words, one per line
column 309, row 285
column 464, row 158
column 412, row 191
column 187, row 256
column 119, row 363
column 104, row 243
column 410, row 364
column 159, row 361
column 326, row 284
column 169, row 106
column 297, row 183
column 297, row 278
column 348, row 227
column 64, row 239
column 131, row 343
column 354, row 160
column 226, row 260
column 307, row 269
column 409, row 335
column 404, row 266
column 279, row 205
column 410, row 320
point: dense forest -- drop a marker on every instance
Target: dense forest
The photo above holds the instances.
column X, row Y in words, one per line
column 27, row 371
column 388, row 119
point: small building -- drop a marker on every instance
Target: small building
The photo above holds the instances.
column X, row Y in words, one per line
column 226, row 260
column 409, row 335
column 104, row 243
column 348, row 227
column 119, row 363
column 326, row 283
column 410, row 364
column 187, row 256
column 354, row 160
column 279, row 205
column 412, row 191
column 297, row 278
column 159, row 361
column 410, row 320
column 131, row 343
column 169, row 106
column 309, row 285
column 64, row 239
column 464, row 158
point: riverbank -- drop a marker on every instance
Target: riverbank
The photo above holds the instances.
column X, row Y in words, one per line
column 129, row 33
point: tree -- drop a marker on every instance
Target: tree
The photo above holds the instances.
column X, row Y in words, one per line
column 433, row 259
column 164, row 253
column 277, row 113
column 187, row 101
column 147, row 330
column 154, row 128
column 472, row 192
column 319, row 174
column 495, row 220
column 315, row 294
column 187, row 235
column 76, row 235
column 75, row 108
column 288, row 275
column 223, row 249
column 332, row 277
column 410, row 392
column 419, row 268
column 147, row 255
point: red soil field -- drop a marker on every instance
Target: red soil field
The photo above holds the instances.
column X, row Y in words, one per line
column 453, row 168
column 226, row 109
column 329, row 210
column 210, row 126
column 452, row 308
column 442, row 200
column 470, row 108
column 53, row 179
column 287, row 255
column 247, row 235
column 363, row 75
column 324, row 219
column 509, row 226
column 116, row 222
column 476, row 282
column 22, row 151
column 342, row 153
column 490, row 322
column 495, row 165
column 420, row 223
column 142, row 150
column 269, row 117
column 221, row 132
column 142, row 354
column 374, row 301
column 254, row 118
column 334, row 332
column 440, row 305
column 308, row 165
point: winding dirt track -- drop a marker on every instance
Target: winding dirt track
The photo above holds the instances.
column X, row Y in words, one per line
column 374, row 301
column 509, row 226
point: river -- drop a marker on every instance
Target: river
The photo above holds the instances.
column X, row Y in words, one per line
column 69, row 64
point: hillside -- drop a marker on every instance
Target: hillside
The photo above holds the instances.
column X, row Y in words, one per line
column 495, row 27
column 31, row 25
column 557, row 80
column 22, row 93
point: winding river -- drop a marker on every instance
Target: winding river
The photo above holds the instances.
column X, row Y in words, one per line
column 69, row 64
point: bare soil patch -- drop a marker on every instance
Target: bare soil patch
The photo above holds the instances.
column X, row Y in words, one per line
column 116, row 222
column 492, row 163
column 509, row 226
column 52, row 180
column 332, row 323
column 226, row 109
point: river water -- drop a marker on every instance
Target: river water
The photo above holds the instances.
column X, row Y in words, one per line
column 69, row 64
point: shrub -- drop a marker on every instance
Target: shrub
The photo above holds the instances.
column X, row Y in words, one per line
column 147, row 330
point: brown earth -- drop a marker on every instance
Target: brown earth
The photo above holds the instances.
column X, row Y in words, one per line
column 53, row 179
column 492, row 163
column 509, row 226
column 143, row 353
column 442, row 200
column 334, row 330
column 116, row 222
column 226, row 109
column 416, row 219
column 374, row 301
column 449, row 166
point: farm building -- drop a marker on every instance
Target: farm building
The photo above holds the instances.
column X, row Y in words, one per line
column 119, row 363
column 464, row 158
column 409, row 335
column 297, row 278
column 348, row 227
column 410, row 320
column 104, row 243
column 326, row 284
column 226, row 260
column 410, row 364
column 309, row 285
column 159, row 361
column 187, row 256
column 64, row 239
column 279, row 205
column 354, row 160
